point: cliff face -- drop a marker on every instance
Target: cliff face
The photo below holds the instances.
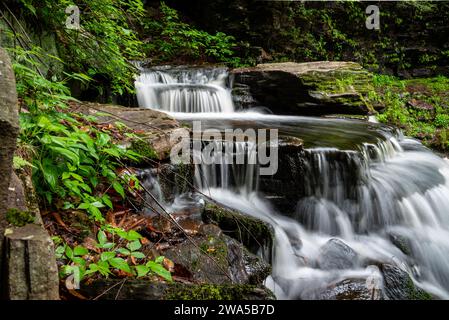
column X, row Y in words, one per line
column 412, row 40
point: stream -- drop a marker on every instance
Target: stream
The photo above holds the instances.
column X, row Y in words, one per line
column 368, row 196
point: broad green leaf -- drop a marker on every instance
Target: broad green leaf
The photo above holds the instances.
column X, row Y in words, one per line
column 120, row 264
column 138, row 255
column 142, row 270
column 68, row 252
column 70, row 155
column 159, row 270
column 133, row 235
column 134, row 245
column 124, row 251
column 118, row 187
column 80, row 261
column 50, row 172
column 84, row 206
column 80, row 251
column 107, row 201
column 97, row 204
column 107, row 255
column 102, row 139
column 101, row 236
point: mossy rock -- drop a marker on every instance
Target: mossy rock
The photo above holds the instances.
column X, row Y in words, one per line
column 311, row 88
column 143, row 148
column 136, row 289
column 218, row 292
column 214, row 258
column 398, row 285
column 250, row 231
column 19, row 218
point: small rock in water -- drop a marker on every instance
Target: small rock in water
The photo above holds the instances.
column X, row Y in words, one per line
column 336, row 254
column 350, row 289
column 399, row 285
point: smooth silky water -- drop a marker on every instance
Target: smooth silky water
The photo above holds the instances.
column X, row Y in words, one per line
column 399, row 188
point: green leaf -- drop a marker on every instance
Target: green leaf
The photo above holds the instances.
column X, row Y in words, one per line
column 50, row 173
column 112, row 152
column 95, row 213
column 159, row 270
column 102, row 238
column 107, row 255
column 133, row 235
column 84, row 206
column 134, row 245
column 138, row 255
column 159, row 259
column 80, row 261
column 142, row 271
column 108, row 245
column 68, row 252
column 118, row 187
column 70, row 155
column 97, row 204
column 120, row 264
column 107, row 201
column 124, row 251
column 80, row 251
column 102, row 139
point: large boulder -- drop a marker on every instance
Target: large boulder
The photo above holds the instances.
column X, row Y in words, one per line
column 214, row 258
column 311, row 88
column 336, row 254
column 9, row 128
column 156, row 127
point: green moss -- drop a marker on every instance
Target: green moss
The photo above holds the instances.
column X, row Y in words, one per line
column 418, row 106
column 19, row 218
column 143, row 147
column 250, row 231
column 415, row 293
column 214, row 292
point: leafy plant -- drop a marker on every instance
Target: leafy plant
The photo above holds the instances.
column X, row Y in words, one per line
column 123, row 255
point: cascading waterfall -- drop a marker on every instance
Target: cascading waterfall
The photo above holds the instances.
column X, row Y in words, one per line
column 228, row 174
column 184, row 90
column 369, row 196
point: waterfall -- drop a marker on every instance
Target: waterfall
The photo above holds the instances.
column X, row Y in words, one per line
column 363, row 187
column 185, row 90
column 229, row 174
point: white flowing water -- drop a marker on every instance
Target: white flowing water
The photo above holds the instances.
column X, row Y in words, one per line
column 179, row 90
column 379, row 187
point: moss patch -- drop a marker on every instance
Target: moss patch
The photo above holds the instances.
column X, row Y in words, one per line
column 216, row 292
column 252, row 232
column 19, row 218
column 143, row 147
column 420, row 107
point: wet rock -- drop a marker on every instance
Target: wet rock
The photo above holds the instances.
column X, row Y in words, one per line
column 250, row 231
column 175, row 179
column 285, row 187
column 350, row 289
column 214, row 258
column 398, row 285
column 312, row 88
column 155, row 126
column 335, row 254
column 134, row 289
column 401, row 242
column 9, row 129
